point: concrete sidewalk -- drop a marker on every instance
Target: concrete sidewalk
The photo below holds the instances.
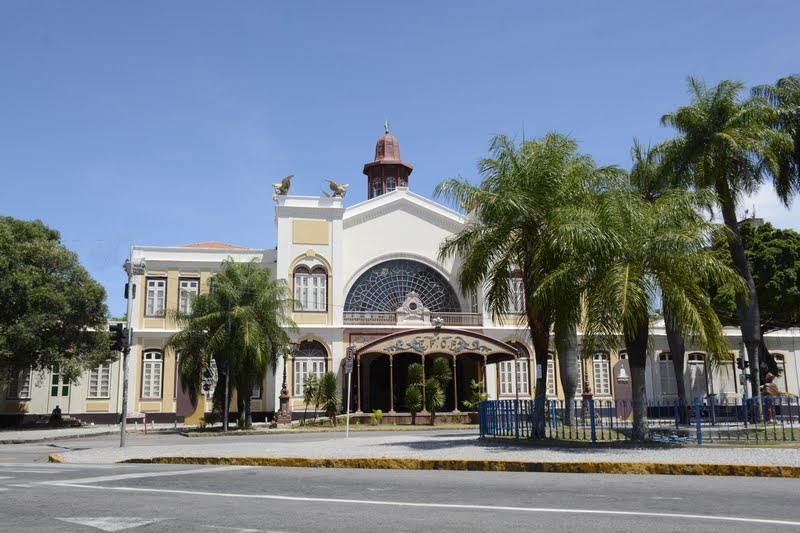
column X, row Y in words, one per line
column 23, row 436
column 454, row 450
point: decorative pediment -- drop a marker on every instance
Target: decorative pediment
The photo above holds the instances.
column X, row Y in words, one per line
column 445, row 341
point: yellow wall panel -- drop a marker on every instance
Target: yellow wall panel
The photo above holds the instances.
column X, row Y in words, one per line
column 95, row 407
column 310, row 232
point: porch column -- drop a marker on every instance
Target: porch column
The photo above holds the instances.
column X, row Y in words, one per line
column 391, row 384
column 424, row 411
column 358, row 380
column 455, row 386
column 483, row 375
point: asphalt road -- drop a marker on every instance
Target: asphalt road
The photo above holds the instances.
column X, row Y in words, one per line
column 48, row 497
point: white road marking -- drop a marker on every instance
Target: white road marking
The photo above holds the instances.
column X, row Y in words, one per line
column 443, row 505
column 118, row 477
column 1, row 489
column 28, row 471
column 20, row 485
column 6, row 477
column 245, row 530
column 110, row 523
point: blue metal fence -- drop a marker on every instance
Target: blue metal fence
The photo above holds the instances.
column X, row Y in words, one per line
column 752, row 419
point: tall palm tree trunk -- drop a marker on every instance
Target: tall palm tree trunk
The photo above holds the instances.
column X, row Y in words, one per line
column 637, row 358
column 747, row 309
column 540, row 336
column 677, row 349
column 567, row 349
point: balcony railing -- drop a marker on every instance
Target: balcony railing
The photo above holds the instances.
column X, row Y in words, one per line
column 378, row 318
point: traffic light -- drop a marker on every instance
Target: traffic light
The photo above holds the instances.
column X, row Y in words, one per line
column 742, row 363
column 119, row 337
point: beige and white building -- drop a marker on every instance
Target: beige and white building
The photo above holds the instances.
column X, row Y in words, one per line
column 367, row 276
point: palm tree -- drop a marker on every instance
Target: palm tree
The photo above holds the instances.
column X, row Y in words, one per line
column 413, row 396
column 650, row 180
column 241, row 322
column 436, row 385
column 727, row 145
column 784, row 96
column 328, row 395
column 532, row 214
column 310, row 387
column 661, row 251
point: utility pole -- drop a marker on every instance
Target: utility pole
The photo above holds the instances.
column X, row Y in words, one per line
column 130, row 294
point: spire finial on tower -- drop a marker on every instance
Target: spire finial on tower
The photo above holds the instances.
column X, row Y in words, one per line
column 386, row 126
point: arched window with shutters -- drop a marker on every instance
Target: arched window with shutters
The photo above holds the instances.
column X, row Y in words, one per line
column 310, row 359
column 698, row 380
column 310, row 288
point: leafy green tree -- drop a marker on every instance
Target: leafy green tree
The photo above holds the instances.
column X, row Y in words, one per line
column 660, row 249
column 241, row 323
column 773, row 256
column 532, row 213
column 728, row 145
column 413, row 396
column 329, row 396
column 53, row 314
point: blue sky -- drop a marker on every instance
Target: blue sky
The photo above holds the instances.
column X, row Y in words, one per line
column 164, row 123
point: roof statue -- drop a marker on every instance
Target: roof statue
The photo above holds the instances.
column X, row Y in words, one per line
column 282, row 188
column 386, row 126
column 338, row 190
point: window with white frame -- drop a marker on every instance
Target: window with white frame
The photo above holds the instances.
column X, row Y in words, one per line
column 156, row 296
column 601, row 371
column 780, row 381
column 391, row 184
column 58, row 386
column 152, row 366
column 516, row 302
column 579, row 390
column 666, row 373
column 514, row 377
column 377, row 188
column 309, row 360
column 551, row 375
column 310, row 289
column 256, row 393
column 19, row 388
column 188, row 291
column 100, row 381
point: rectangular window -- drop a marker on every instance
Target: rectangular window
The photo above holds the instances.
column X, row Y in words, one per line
column 189, row 289
column 20, row 386
column 506, row 369
column 310, row 292
column 780, row 381
column 551, row 376
column 602, row 381
column 58, row 387
column 100, row 381
column 667, row 374
column 256, row 394
column 156, row 296
column 151, row 375
column 516, row 304
column 306, row 367
column 523, row 381
column 579, row 389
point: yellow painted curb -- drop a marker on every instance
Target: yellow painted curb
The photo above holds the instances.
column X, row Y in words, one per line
column 491, row 466
column 54, row 458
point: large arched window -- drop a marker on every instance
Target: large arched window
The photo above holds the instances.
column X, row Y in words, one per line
column 310, row 359
column 385, row 287
column 310, row 288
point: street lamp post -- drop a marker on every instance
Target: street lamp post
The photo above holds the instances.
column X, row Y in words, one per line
column 132, row 269
column 284, row 416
